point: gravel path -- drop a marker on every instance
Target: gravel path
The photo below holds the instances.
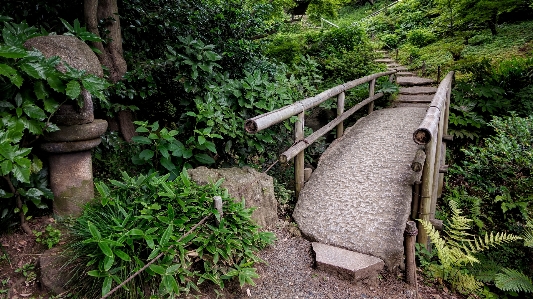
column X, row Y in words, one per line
column 289, row 274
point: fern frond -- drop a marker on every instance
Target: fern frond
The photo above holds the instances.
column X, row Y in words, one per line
column 465, row 283
column 513, row 280
column 491, row 240
column 485, row 270
column 528, row 234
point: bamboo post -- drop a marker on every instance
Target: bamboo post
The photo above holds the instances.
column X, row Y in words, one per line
column 396, row 54
column 410, row 265
column 427, row 189
column 416, row 200
column 371, row 94
column 340, row 111
column 299, row 160
column 437, row 174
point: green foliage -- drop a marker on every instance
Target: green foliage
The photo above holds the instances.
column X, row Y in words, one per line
column 421, row 37
column 139, row 217
column 50, row 236
column 31, row 88
column 458, row 250
column 391, row 40
column 513, row 280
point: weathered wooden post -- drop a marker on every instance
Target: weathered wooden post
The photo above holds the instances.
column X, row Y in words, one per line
column 410, row 240
column 299, row 160
column 371, row 90
column 340, row 111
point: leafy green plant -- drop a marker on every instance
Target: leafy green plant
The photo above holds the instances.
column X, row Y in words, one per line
column 28, row 271
column 421, row 37
column 30, row 85
column 458, row 250
column 49, row 237
column 138, row 218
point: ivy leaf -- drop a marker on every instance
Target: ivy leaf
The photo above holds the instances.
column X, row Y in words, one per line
column 73, row 89
column 204, row 159
column 12, row 74
column 12, row 52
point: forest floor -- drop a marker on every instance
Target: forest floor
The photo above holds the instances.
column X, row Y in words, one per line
column 288, row 272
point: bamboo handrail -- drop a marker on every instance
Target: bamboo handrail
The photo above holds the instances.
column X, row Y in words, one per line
column 429, row 126
column 430, row 133
column 263, row 121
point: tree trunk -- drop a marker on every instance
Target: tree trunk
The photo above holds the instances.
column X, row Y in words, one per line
column 111, row 52
column 492, row 23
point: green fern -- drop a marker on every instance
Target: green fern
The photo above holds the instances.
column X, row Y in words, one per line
column 528, row 234
column 459, row 247
column 513, row 280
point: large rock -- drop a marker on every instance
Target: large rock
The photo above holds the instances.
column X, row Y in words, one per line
column 71, row 50
column 256, row 188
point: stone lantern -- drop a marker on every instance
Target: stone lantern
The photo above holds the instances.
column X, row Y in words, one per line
column 71, row 175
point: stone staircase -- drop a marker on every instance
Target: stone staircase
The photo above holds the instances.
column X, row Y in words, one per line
column 415, row 92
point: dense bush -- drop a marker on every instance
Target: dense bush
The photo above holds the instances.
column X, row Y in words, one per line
column 139, row 218
column 420, row 37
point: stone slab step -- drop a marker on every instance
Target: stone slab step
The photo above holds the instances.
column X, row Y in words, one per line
column 404, row 73
column 347, row 264
column 398, row 68
column 421, row 98
column 413, row 81
column 418, row 90
column 380, row 51
column 392, row 65
column 384, row 60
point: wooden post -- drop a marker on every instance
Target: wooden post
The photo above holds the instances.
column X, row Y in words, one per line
column 396, row 54
column 370, row 94
column 410, row 265
column 299, row 159
column 340, row 111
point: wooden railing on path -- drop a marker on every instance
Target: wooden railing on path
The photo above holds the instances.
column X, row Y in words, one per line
column 266, row 120
column 433, row 134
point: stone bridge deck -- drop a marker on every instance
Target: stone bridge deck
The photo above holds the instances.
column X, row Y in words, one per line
column 359, row 197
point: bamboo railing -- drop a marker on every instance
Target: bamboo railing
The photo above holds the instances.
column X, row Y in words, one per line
column 266, row 120
column 433, row 134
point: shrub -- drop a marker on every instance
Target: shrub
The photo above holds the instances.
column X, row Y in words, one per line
column 421, row 37
column 285, row 48
column 391, row 40
column 138, row 218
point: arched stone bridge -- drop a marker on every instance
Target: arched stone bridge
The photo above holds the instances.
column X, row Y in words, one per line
column 384, row 170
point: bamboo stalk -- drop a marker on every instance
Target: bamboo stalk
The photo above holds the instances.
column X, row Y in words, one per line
column 410, row 265
column 418, row 161
column 299, row 161
column 372, row 87
column 427, row 190
column 263, row 121
column 303, row 144
column 416, row 200
column 428, row 127
column 340, row 111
